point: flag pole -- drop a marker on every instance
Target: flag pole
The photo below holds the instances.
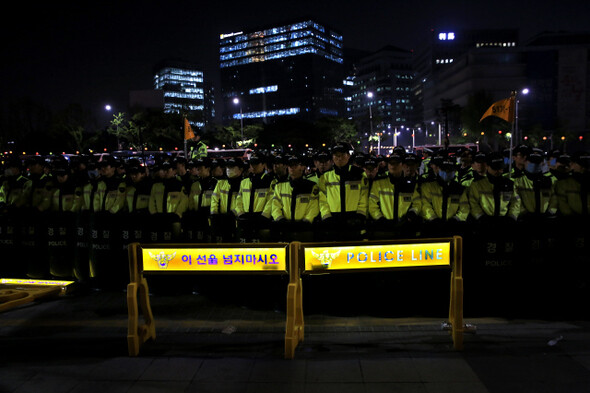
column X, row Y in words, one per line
column 514, row 117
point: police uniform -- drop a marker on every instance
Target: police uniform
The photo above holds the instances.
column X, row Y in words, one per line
column 494, row 196
column 343, row 199
column 394, row 204
column 253, row 197
column 223, row 204
column 15, row 188
column 573, row 191
column 196, row 219
column 535, row 189
column 445, row 198
column 294, row 207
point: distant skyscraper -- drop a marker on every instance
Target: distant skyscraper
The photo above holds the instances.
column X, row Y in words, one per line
column 442, row 49
column 389, row 76
column 293, row 69
column 185, row 91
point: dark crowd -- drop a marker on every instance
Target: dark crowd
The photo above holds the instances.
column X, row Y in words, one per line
column 74, row 218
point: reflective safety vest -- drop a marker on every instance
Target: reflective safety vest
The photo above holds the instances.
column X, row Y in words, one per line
column 199, row 152
column 343, row 190
column 573, row 195
column 199, row 198
column 109, row 195
column 295, row 200
column 255, row 193
column 15, row 191
column 63, row 198
column 495, row 198
column 444, row 201
column 392, row 198
column 168, row 196
column 138, row 196
column 536, row 194
column 224, row 197
column 40, row 187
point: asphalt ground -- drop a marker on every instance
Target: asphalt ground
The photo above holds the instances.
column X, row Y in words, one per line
column 226, row 334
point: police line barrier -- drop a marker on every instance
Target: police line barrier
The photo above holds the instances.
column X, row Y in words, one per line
column 164, row 259
column 295, row 259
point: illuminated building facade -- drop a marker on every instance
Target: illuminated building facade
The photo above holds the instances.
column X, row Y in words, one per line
column 185, row 91
column 442, row 49
column 294, row 69
column 388, row 75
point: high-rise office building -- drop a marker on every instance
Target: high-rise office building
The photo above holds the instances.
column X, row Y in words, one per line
column 441, row 50
column 293, row 69
column 185, row 91
column 382, row 90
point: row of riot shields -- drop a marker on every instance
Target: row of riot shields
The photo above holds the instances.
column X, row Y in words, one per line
column 534, row 266
column 86, row 247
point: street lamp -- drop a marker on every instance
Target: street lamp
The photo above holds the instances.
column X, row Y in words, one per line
column 370, row 96
column 524, row 91
column 237, row 102
column 109, row 108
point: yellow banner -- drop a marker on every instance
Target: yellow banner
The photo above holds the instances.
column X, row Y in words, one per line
column 318, row 259
column 215, row 259
column 503, row 109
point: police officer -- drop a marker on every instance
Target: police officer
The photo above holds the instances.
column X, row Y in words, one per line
column 343, row 197
column 535, row 189
column 168, row 195
column 394, row 202
column 425, row 164
column 493, row 196
column 253, row 197
column 198, row 148
column 138, row 187
column 519, row 155
column 444, row 200
column 39, row 179
column 62, row 203
column 295, row 204
column 109, row 195
column 15, row 188
column 196, row 223
column 573, row 191
column 479, row 169
column 322, row 162
column 465, row 171
column 224, row 201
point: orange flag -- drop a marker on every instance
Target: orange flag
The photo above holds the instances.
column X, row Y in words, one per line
column 503, row 109
column 188, row 130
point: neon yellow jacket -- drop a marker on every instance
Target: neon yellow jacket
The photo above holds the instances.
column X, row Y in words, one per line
column 393, row 198
column 536, row 192
column 110, row 195
column 261, row 187
column 295, row 201
column 199, row 198
column 451, row 198
column 15, row 191
column 225, row 195
column 356, row 191
column 168, row 197
column 484, row 201
column 569, row 195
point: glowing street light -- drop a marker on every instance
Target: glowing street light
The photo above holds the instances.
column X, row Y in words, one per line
column 370, row 96
column 237, row 102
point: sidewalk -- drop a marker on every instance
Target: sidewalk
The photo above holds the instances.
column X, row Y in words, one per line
column 78, row 344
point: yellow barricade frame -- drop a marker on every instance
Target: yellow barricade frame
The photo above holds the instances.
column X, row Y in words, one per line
column 138, row 293
column 295, row 320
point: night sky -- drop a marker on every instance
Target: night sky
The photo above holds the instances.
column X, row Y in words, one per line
column 93, row 54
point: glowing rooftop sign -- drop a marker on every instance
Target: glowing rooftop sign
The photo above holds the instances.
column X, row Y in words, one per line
column 446, row 36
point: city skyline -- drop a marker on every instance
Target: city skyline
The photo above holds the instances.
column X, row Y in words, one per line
column 96, row 55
